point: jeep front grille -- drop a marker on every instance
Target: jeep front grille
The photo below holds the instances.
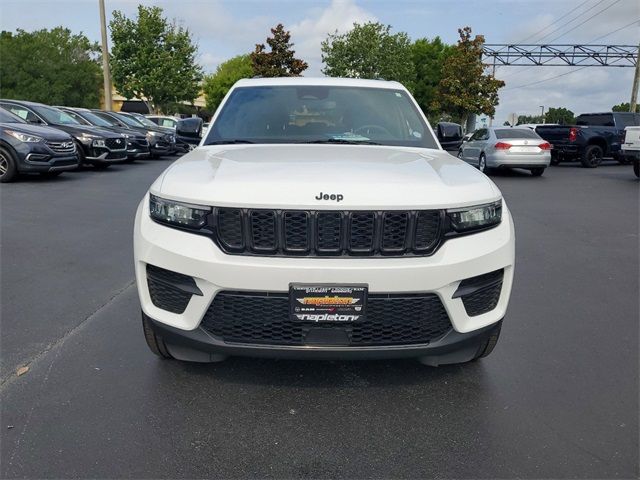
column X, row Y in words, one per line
column 327, row 233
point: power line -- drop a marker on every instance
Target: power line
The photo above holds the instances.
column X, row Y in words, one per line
column 545, row 79
column 615, row 31
column 582, row 23
column 573, row 19
column 556, row 21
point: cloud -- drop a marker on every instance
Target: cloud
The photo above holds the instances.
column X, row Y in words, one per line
column 591, row 89
column 308, row 34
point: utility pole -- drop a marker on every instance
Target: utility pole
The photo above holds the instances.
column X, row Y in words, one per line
column 493, row 74
column 108, row 103
column 542, row 114
column 636, row 81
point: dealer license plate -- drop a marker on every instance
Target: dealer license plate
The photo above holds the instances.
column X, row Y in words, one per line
column 327, row 303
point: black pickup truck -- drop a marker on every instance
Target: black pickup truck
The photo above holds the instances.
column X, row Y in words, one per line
column 593, row 137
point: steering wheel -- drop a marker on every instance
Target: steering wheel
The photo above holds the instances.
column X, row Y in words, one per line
column 368, row 129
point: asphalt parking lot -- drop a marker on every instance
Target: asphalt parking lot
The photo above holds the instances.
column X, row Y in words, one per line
column 557, row 398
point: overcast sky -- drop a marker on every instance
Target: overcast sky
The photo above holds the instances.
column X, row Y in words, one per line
column 227, row 28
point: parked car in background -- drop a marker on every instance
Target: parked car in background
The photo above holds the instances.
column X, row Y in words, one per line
column 96, row 146
column 26, row 148
column 507, row 147
column 533, row 126
column 159, row 140
column 163, row 120
column 137, row 143
column 449, row 135
column 631, row 147
column 593, row 137
column 178, row 146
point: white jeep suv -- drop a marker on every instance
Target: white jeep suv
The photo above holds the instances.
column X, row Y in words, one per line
column 319, row 218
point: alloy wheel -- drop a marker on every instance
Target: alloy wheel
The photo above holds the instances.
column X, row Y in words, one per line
column 482, row 163
column 4, row 164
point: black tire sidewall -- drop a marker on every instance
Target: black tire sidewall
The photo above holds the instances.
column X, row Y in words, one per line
column 588, row 153
column 482, row 157
column 12, row 166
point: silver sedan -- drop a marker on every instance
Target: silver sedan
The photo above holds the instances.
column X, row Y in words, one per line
column 505, row 147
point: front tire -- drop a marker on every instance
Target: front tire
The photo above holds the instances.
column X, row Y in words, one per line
column 592, row 156
column 8, row 167
column 537, row 172
column 489, row 344
column 482, row 164
column 636, row 168
column 154, row 341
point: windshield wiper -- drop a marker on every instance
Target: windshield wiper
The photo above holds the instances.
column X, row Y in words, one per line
column 228, row 142
column 344, row 141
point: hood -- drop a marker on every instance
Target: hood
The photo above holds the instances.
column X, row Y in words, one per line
column 47, row 133
column 80, row 129
column 293, row 176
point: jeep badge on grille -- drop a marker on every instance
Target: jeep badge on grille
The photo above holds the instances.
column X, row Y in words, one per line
column 333, row 196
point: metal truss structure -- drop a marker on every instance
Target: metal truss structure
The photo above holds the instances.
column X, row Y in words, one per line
column 561, row 55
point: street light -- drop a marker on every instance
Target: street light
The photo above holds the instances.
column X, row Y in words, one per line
column 542, row 107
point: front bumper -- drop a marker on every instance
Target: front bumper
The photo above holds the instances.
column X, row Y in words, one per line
column 197, row 256
column 105, row 155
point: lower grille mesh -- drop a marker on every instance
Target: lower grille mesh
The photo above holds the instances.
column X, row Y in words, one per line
column 263, row 318
column 482, row 301
column 163, row 292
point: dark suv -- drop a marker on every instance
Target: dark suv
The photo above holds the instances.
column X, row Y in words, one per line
column 161, row 142
column 137, row 143
column 28, row 148
column 96, row 146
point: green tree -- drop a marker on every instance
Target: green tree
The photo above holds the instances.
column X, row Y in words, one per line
column 622, row 107
column 529, row 119
column 153, row 59
column 465, row 88
column 280, row 61
column 560, row 115
column 217, row 85
column 50, row 66
column 369, row 51
column 428, row 58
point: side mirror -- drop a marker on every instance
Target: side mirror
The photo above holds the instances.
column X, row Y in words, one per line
column 189, row 130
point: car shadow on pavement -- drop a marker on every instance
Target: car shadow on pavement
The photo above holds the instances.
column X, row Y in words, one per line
column 323, row 373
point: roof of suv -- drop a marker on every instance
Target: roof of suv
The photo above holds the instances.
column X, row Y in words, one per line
column 319, row 81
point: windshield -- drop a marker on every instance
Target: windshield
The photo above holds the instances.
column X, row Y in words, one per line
column 320, row 114
column 8, row 117
column 96, row 120
column 55, row 116
column 132, row 122
column 513, row 133
column 145, row 121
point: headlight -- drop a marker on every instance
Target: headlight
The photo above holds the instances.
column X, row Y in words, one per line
column 154, row 134
column 24, row 137
column 179, row 214
column 89, row 138
column 475, row 218
column 99, row 142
